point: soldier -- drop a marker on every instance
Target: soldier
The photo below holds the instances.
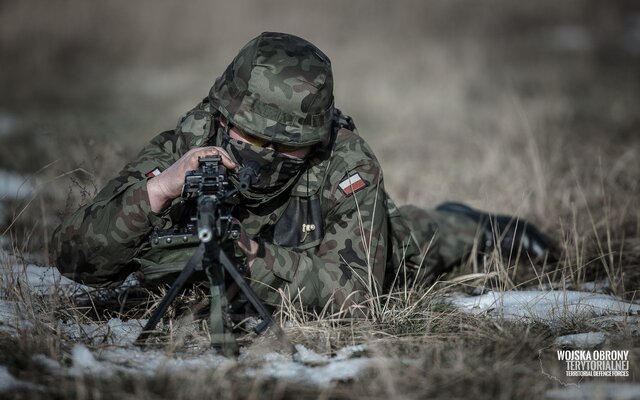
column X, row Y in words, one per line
column 317, row 223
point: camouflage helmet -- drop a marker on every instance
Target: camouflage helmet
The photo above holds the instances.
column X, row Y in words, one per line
column 279, row 88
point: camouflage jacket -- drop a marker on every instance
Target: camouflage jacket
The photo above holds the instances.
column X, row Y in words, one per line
column 359, row 242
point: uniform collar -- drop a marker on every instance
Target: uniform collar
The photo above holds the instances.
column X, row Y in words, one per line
column 312, row 179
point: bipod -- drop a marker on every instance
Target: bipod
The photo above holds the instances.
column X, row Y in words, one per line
column 221, row 336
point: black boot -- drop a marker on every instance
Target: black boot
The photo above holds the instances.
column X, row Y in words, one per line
column 510, row 234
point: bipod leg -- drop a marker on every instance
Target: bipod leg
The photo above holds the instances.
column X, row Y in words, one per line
column 221, row 336
column 168, row 298
column 250, row 294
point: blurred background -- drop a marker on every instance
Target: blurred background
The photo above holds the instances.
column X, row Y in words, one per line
column 512, row 106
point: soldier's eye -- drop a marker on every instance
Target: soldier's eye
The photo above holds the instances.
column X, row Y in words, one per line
column 249, row 139
column 256, row 141
column 259, row 142
column 283, row 148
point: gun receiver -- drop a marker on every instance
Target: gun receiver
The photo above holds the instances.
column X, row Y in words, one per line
column 211, row 188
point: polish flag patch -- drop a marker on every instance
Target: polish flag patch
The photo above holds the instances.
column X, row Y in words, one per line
column 154, row 172
column 352, row 184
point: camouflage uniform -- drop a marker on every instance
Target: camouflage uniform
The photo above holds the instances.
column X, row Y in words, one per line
column 361, row 242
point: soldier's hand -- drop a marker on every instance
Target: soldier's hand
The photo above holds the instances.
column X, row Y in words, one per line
column 167, row 186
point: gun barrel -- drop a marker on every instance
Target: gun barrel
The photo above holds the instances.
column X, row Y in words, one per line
column 206, row 219
column 205, row 234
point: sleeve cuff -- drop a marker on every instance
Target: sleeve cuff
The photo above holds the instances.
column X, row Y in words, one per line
column 138, row 192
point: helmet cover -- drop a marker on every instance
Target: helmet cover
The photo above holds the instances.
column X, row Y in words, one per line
column 279, row 88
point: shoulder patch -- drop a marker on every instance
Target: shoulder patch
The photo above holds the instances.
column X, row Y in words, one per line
column 154, row 172
column 352, row 184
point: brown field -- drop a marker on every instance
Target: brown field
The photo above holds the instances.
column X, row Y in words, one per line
column 527, row 108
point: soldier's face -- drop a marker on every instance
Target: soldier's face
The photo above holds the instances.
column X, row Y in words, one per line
column 289, row 151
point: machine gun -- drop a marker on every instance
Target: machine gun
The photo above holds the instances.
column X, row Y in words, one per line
column 215, row 196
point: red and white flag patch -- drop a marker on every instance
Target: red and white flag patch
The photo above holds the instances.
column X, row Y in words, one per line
column 154, row 172
column 352, row 184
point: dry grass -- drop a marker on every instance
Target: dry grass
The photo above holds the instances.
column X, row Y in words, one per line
column 460, row 100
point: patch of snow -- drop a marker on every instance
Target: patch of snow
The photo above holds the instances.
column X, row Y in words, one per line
column 14, row 186
column 350, row 351
column 545, row 306
column 84, row 363
column 593, row 391
column 107, row 361
column 9, row 383
column 306, row 356
column 311, row 368
column 126, row 332
column 588, row 340
column 320, row 376
column 149, row 362
column 115, row 331
column 44, row 281
column 47, row 281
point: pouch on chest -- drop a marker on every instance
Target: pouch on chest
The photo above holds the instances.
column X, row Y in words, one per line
column 301, row 224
